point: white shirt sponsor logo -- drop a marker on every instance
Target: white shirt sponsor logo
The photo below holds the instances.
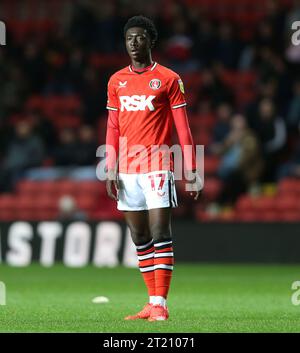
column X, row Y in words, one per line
column 135, row 103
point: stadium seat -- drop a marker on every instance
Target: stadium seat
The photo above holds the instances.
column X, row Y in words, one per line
column 27, row 187
column 211, row 165
column 7, row 215
column 265, row 204
column 212, row 188
column 289, row 216
column 245, row 203
column 289, row 186
column 288, row 202
column 246, row 216
column 7, row 202
column 86, row 202
column 66, row 121
column 65, row 187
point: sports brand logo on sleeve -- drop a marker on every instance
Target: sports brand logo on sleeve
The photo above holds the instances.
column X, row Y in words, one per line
column 181, row 86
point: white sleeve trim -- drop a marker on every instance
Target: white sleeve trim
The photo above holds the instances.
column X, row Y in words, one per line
column 111, row 108
column 178, row 105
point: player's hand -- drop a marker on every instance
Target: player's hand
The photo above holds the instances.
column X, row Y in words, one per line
column 196, row 184
column 112, row 185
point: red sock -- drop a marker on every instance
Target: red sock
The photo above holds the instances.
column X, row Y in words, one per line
column 146, row 262
column 163, row 267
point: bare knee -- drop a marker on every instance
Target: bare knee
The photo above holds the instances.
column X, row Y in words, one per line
column 160, row 233
column 140, row 237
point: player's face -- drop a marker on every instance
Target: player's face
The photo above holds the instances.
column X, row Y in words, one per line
column 138, row 43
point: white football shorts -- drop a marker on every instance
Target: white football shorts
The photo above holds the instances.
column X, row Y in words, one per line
column 146, row 191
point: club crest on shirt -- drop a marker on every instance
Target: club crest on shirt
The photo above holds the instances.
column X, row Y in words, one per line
column 181, row 86
column 155, row 83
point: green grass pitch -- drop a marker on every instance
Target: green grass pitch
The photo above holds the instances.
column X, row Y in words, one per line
column 203, row 298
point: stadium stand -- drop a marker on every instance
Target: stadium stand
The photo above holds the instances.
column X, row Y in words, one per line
column 57, row 64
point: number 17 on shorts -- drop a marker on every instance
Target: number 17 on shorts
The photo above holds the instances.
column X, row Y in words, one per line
column 160, row 190
column 147, row 191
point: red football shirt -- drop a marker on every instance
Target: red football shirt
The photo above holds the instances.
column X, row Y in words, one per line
column 142, row 105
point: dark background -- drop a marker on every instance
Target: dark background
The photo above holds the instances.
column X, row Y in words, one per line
column 241, row 76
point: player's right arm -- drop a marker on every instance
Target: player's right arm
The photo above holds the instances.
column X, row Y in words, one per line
column 112, row 142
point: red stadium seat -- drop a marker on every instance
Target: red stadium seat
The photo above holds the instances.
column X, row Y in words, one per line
column 25, row 202
column 288, row 202
column 86, row 202
column 289, row 186
column 45, row 188
column 212, row 188
column 28, row 187
column 7, row 202
column 65, row 187
column 246, row 216
column 66, row 121
column 267, row 216
column 265, row 204
column 289, row 216
column 90, row 187
column 211, row 165
column 245, row 203
column 34, row 102
column 7, row 215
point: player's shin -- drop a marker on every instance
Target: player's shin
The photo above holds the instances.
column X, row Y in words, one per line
column 163, row 267
column 145, row 254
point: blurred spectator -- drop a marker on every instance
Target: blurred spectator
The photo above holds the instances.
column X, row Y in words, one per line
column 291, row 168
column 13, row 89
column 272, row 67
column 265, row 89
column 293, row 115
column 87, row 146
column 25, row 151
column 65, row 153
column 271, row 131
column 276, row 17
column 68, row 210
column 179, row 48
column 43, row 128
column 212, row 88
column 204, row 41
column 227, row 47
column 93, row 97
column 82, row 51
column 222, row 126
column 265, row 36
column 241, row 163
column 75, row 68
column 34, row 66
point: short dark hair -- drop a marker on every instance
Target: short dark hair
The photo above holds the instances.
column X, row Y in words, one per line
column 143, row 22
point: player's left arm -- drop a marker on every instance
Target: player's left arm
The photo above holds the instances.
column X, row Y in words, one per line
column 179, row 113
